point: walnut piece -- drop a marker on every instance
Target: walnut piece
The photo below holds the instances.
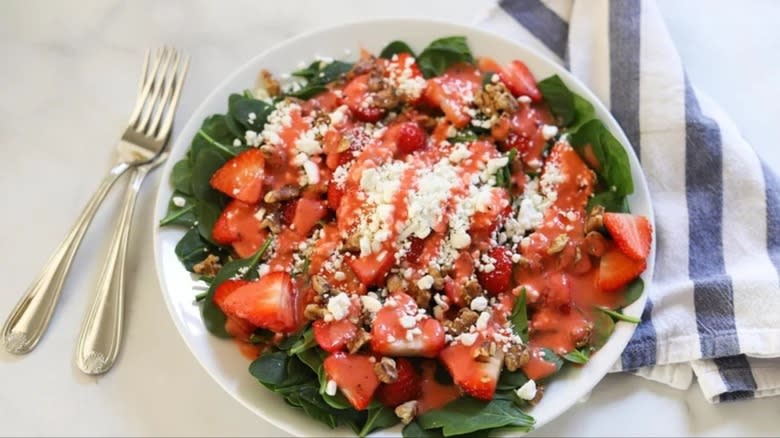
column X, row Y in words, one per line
column 386, row 370
column 595, row 219
column 595, row 244
column 515, row 357
column 356, row 343
column 208, row 267
column 406, row 411
column 494, row 99
column 558, row 244
column 314, row 312
column 461, row 324
column 285, row 193
column 270, row 84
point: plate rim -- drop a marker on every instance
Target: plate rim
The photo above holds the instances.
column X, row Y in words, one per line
column 160, row 204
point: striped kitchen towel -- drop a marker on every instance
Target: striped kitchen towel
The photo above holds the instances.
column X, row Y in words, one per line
column 714, row 305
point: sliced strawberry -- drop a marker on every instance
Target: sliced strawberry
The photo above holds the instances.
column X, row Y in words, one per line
column 411, row 138
column 632, row 233
column 355, row 377
column 405, row 388
column 269, row 303
column 335, row 193
column 521, row 81
column 575, row 180
column 454, row 287
column 225, row 289
column 617, row 269
column 415, row 249
column 450, row 92
column 477, row 379
column 239, row 226
column 499, row 279
column 405, row 76
column 399, row 330
column 242, row 176
column 333, row 336
column 236, row 327
column 307, row 213
column 371, row 269
column 359, row 99
column 526, row 132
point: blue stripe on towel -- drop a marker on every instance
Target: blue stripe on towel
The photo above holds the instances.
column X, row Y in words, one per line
column 624, row 19
column 542, row 22
column 738, row 377
column 712, row 288
column 641, row 350
column 772, row 192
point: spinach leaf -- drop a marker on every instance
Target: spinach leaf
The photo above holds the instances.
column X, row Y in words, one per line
column 632, row 292
column 308, row 91
column 414, row 430
column 213, row 318
column 504, row 175
column 192, row 249
column 395, row 48
column 181, row 176
column 206, row 163
column 213, row 134
column 207, row 214
column 614, row 168
column 611, row 201
column 313, row 358
column 466, row 415
column 235, row 128
column 270, row 368
column 305, row 342
column 558, row 97
column 519, row 317
column 261, row 336
column 180, row 215
column 578, row 356
column 321, row 73
column 240, row 107
column 442, row 53
column 379, row 418
column 583, row 112
column 603, row 326
column 618, row 315
column 511, row 380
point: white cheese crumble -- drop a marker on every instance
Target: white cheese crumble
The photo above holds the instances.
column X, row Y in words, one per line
column 479, row 304
column 482, row 321
column 524, row 99
column 527, row 391
column 179, row 201
column 331, row 387
column 237, row 142
column 467, row 339
column 425, row 283
column 549, row 131
column 408, row 321
column 370, row 303
column 338, row 306
column 312, row 172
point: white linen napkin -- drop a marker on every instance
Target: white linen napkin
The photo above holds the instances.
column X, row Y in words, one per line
column 714, row 305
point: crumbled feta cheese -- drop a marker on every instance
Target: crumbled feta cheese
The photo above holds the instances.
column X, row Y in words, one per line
column 339, row 276
column 260, row 214
column 549, row 131
column 467, row 339
column 338, row 306
column 527, row 391
column 524, row 99
column 408, row 321
column 312, row 172
column 179, row 201
column 479, row 304
column 237, row 142
column 331, row 387
column 460, row 239
column 482, row 321
column 425, row 283
column 370, row 304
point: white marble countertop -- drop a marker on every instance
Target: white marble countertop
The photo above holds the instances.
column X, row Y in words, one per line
column 69, row 71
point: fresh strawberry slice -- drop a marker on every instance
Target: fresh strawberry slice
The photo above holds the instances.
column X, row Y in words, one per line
column 575, row 181
column 399, row 331
column 334, row 336
column 631, row 233
column 463, row 268
column 499, row 279
column 371, row 269
column 477, row 379
column 269, row 303
column 526, row 132
column 335, row 193
column 307, row 213
column 405, row 388
column 239, row 329
column 450, row 92
column 355, row 377
column 617, row 269
column 236, row 327
column 411, row 138
column 242, row 176
column 517, row 78
column 359, row 99
column 225, row 289
column 405, row 76
column 239, row 226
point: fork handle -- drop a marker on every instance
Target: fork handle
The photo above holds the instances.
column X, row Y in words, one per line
column 28, row 320
column 101, row 331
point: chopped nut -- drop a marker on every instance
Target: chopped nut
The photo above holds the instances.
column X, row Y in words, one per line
column 352, row 243
column 285, row 193
column 406, row 411
column 595, row 244
column 438, row 279
column 465, row 319
column 361, row 338
column 494, row 99
column 595, row 219
column 539, row 395
column 319, row 284
column 482, row 354
column 394, row 284
column 209, row 266
column 471, row 289
column 313, row 312
column 386, row 370
column 558, row 244
column 515, row 357
column 266, row 80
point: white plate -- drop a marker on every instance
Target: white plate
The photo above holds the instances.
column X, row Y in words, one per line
column 220, row 357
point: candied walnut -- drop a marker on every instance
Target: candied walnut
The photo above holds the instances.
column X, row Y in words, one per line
column 266, row 80
column 271, row 221
column 407, row 411
column 465, row 319
column 485, row 351
column 383, row 94
column 352, row 242
column 539, row 395
column 361, row 338
column 285, row 193
column 394, row 284
column 595, row 244
column 208, row 267
column 558, row 244
column 386, row 370
column 494, row 99
column 314, row 311
column 595, row 219
column 438, row 279
column 471, row 290
column 365, row 65
column 515, row 357
column 320, row 284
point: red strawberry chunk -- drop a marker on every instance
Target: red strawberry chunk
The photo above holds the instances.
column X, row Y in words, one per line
column 451, row 90
column 411, row 138
column 372, row 268
column 516, row 76
column 239, row 226
column 617, row 269
column 477, row 379
column 354, row 374
column 359, row 99
column 633, row 234
column 400, row 330
column 242, row 176
column 499, row 279
column 402, row 70
column 225, row 289
column 406, row 387
column 307, row 213
column 269, row 303
column 333, row 336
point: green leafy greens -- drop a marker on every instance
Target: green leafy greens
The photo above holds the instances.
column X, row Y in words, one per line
column 443, row 53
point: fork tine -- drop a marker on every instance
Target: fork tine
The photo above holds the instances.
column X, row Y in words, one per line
column 165, row 129
column 167, row 86
column 152, row 101
column 147, row 79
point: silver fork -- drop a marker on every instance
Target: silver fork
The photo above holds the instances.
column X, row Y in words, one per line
column 142, row 141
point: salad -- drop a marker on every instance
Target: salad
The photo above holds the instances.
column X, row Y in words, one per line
column 423, row 239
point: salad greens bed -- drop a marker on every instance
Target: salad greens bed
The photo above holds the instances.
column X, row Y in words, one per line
column 294, row 367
